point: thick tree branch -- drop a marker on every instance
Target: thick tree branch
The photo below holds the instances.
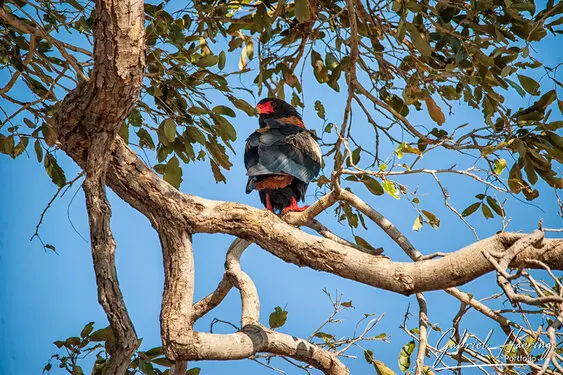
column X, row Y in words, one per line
column 134, row 182
column 182, row 343
column 97, row 109
column 176, row 316
column 253, row 339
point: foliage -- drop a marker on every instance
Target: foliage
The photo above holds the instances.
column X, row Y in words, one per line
column 208, row 62
column 75, row 350
column 415, row 55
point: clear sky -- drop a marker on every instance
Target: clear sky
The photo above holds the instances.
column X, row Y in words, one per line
column 46, row 296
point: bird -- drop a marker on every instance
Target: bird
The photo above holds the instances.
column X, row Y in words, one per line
column 281, row 157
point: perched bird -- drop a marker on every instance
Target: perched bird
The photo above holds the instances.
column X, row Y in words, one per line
column 281, row 157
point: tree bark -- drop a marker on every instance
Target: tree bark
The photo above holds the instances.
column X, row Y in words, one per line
column 96, row 110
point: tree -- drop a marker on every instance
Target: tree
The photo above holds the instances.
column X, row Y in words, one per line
column 109, row 76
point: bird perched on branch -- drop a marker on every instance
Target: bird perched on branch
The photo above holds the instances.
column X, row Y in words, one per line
column 281, row 157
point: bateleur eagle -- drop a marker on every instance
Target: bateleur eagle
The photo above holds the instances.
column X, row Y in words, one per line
column 281, row 157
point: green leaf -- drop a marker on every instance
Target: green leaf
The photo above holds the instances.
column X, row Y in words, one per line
column 219, row 177
column 487, row 211
column 500, row 165
column 302, row 10
column 356, row 154
column 277, row 318
column 363, row 243
column 88, row 328
column 545, row 100
column 347, row 304
column 391, row 189
column 145, row 139
column 20, row 147
column 162, row 361
column 135, row 118
column 193, row 371
column 417, row 223
column 515, row 182
column 77, row 370
column 405, row 356
column 154, row 352
column 224, row 128
column 319, row 107
column 471, row 209
column 168, row 128
column 72, row 341
column 224, row 110
column 54, row 171
column 124, row 132
column 516, row 87
column 38, row 150
column 382, row 369
column 59, row 344
column 529, row 84
column 29, row 123
column 243, row 106
column 173, row 172
column 197, row 111
column 330, row 61
column 75, row 4
column 222, row 60
column 104, row 334
column 418, row 40
column 217, row 151
column 432, row 219
column 495, row 206
column 319, row 69
column 146, row 367
column 323, row 335
column 207, row 61
column 6, row 145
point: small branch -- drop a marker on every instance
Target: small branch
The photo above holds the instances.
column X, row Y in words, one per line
column 423, row 331
column 552, row 340
column 243, row 282
column 305, row 217
column 212, row 300
column 503, row 278
column 383, row 223
column 38, row 31
column 28, row 58
column 452, row 208
column 326, row 233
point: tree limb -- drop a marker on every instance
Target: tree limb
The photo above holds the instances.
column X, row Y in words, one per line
column 97, row 108
column 138, row 185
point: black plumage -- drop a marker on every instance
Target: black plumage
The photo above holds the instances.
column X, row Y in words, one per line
column 281, row 157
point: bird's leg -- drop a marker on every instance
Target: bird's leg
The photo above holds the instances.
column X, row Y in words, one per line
column 294, row 207
column 269, row 203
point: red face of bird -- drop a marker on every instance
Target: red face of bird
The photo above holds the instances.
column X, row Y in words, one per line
column 265, row 107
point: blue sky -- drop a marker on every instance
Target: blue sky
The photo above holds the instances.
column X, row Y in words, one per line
column 46, row 296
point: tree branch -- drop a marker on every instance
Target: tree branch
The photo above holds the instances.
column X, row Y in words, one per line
column 134, row 182
column 97, row 108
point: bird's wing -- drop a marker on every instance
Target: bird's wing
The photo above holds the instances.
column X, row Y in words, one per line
column 252, row 161
column 290, row 150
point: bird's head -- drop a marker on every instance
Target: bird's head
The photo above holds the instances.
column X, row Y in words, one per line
column 275, row 108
